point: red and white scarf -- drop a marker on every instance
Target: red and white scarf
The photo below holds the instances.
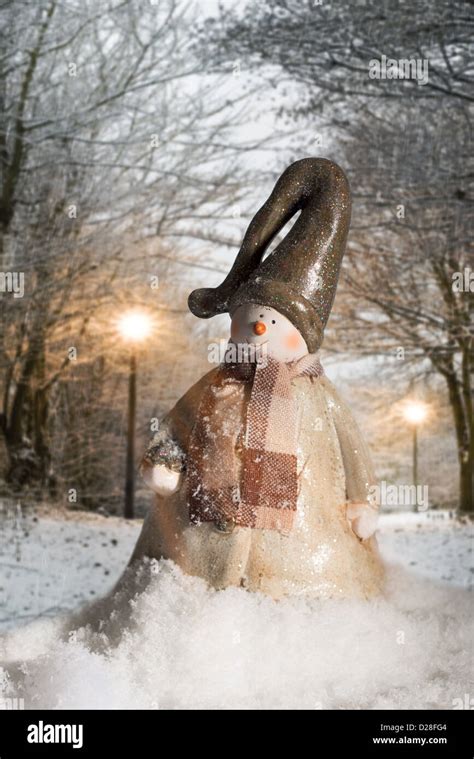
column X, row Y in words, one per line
column 241, row 463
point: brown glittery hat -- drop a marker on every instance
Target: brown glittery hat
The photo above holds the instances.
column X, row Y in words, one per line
column 299, row 278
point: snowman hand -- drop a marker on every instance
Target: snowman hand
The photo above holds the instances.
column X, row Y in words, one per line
column 362, row 518
column 161, row 479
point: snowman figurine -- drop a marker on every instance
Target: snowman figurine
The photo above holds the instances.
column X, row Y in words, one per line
column 262, row 479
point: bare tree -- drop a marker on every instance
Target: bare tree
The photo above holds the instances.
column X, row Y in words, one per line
column 109, row 136
column 329, row 46
column 407, row 291
column 407, row 147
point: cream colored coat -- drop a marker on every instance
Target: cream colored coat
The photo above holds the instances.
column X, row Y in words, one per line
column 322, row 557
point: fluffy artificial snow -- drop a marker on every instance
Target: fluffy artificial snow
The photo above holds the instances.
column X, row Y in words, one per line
column 168, row 641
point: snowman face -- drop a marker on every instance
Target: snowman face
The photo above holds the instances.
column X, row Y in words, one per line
column 264, row 326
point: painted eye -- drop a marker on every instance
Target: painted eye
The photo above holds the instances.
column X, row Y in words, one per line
column 261, row 316
column 273, row 321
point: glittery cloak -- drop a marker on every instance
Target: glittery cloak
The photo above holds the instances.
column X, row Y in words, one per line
column 321, row 557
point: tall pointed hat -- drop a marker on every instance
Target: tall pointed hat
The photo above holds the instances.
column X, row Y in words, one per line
column 299, row 278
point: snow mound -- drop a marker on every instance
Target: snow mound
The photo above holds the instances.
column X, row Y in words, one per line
column 168, row 641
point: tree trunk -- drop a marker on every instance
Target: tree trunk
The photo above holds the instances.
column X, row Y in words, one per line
column 15, row 424
column 41, row 438
column 25, row 434
column 464, row 435
column 467, row 462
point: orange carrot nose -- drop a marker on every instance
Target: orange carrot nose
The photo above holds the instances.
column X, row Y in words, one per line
column 259, row 328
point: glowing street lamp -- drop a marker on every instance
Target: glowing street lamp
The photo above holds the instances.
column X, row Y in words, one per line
column 133, row 327
column 415, row 413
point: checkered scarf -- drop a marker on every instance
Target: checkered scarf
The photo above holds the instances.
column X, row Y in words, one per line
column 241, row 463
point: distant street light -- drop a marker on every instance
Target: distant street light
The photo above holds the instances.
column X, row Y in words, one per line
column 415, row 412
column 134, row 327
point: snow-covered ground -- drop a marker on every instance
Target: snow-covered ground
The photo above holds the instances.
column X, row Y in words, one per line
column 180, row 645
column 55, row 563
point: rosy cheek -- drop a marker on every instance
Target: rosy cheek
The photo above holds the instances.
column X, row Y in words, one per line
column 292, row 341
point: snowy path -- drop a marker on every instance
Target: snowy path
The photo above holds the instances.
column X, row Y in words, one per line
column 56, row 563
column 190, row 647
column 429, row 544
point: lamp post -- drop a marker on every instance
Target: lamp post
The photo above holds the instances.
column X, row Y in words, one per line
column 415, row 412
column 134, row 327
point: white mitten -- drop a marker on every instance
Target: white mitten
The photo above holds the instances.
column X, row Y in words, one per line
column 362, row 518
column 161, row 479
